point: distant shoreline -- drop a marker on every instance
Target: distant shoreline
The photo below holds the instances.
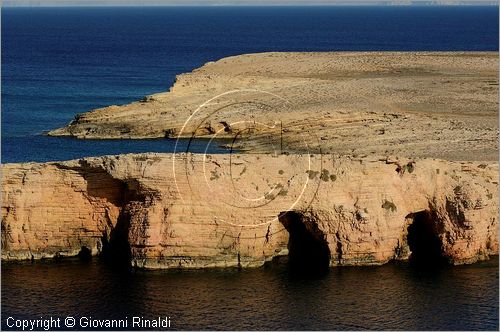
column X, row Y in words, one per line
column 414, row 104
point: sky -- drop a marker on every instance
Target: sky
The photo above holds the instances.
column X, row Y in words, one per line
column 34, row 3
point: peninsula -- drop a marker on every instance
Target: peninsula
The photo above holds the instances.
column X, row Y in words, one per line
column 415, row 104
column 347, row 158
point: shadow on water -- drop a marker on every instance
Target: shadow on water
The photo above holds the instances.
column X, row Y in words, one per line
column 392, row 296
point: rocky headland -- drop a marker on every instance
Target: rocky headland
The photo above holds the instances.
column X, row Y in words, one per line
column 414, row 104
column 346, row 159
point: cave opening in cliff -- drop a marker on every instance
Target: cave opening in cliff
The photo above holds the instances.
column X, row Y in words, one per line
column 308, row 251
column 116, row 249
column 85, row 254
column 423, row 240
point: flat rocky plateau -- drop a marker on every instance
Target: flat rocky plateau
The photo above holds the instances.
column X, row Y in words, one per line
column 413, row 104
column 347, row 159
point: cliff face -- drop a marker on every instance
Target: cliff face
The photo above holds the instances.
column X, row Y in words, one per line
column 193, row 211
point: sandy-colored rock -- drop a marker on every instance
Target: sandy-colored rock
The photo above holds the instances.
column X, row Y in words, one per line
column 413, row 104
column 194, row 211
column 296, row 198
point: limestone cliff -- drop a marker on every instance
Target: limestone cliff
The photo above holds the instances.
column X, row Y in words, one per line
column 193, row 211
column 413, row 104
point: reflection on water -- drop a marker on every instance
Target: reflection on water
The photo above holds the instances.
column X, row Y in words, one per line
column 393, row 296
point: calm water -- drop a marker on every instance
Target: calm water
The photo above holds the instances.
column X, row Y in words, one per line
column 392, row 296
column 57, row 62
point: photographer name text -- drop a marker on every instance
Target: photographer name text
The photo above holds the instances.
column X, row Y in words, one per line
column 83, row 322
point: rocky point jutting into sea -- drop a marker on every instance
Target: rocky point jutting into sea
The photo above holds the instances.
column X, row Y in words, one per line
column 346, row 159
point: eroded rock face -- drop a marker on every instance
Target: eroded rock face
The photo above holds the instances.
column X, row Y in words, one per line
column 195, row 211
column 413, row 104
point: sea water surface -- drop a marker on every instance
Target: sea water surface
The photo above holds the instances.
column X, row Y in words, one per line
column 57, row 62
column 390, row 297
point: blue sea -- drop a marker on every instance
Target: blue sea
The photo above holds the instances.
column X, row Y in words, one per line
column 57, row 62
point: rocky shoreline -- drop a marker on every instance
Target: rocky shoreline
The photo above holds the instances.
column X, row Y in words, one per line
column 351, row 158
column 414, row 104
column 199, row 211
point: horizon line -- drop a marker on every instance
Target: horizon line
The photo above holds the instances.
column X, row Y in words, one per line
column 249, row 5
column 245, row 3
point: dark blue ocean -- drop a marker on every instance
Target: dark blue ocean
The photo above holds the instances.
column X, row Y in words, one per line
column 57, row 62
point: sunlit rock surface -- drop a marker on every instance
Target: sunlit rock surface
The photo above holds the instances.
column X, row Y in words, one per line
column 196, row 211
column 413, row 104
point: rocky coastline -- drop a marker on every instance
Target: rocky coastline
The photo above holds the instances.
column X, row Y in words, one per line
column 199, row 211
column 348, row 158
column 415, row 104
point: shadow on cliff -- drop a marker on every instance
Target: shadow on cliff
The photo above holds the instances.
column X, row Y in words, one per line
column 103, row 189
column 308, row 251
column 116, row 249
column 115, row 246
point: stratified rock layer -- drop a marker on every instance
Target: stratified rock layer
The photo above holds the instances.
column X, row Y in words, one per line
column 195, row 211
column 413, row 104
